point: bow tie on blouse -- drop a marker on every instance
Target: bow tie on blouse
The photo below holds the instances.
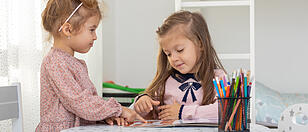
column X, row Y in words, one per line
column 192, row 86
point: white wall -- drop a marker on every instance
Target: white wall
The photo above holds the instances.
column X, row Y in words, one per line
column 229, row 30
column 281, row 40
column 130, row 47
column 129, row 40
column 282, row 44
column 109, row 41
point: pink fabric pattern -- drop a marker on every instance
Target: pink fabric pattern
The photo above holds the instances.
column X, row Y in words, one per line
column 68, row 97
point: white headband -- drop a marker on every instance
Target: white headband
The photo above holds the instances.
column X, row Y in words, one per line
column 70, row 16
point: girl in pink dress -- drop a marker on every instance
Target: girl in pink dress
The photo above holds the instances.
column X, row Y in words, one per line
column 186, row 66
column 68, row 97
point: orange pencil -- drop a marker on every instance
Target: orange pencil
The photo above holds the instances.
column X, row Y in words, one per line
column 237, row 117
column 228, row 125
column 228, row 90
column 241, row 116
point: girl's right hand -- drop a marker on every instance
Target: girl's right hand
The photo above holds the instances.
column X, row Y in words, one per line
column 145, row 104
column 130, row 115
column 120, row 121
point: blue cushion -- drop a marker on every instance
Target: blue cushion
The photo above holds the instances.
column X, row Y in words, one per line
column 296, row 98
column 269, row 105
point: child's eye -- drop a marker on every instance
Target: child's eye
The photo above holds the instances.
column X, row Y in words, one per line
column 92, row 30
column 180, row 50
column 167, row 54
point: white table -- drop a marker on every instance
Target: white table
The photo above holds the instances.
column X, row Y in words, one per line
column 107, row 128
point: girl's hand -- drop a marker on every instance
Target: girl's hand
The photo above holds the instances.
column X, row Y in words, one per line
column 120, row 121
column 169, row 112
column 145, row 104
column 130, row 115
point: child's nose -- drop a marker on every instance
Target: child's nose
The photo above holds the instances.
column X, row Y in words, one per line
column 94, row 37
column 174, row 57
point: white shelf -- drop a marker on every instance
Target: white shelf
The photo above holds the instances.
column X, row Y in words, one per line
column 215, row 3
column 234, row 56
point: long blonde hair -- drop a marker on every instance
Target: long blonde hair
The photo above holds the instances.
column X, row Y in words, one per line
column 197, row 31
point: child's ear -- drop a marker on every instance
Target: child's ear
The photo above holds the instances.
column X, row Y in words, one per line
column 200, row 48
column 67, row 29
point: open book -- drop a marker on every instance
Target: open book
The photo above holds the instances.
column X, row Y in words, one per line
column 175, row 123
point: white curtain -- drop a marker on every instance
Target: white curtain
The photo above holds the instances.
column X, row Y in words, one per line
column 22, row 47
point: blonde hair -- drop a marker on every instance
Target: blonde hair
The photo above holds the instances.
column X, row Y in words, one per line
column 57, row 11
column 197, row 31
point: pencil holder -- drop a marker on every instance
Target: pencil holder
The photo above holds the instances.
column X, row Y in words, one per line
column 234, row 114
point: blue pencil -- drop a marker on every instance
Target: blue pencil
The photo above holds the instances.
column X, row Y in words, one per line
column 217, row 90
column 223, row 88
column 245, row 86
column 248, row 90
column 245, row 107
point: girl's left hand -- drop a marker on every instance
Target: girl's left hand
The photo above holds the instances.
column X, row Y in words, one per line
column 169, row 112
column 120, row 121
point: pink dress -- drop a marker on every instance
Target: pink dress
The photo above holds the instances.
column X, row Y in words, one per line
column 188, row 92
column 68, row 97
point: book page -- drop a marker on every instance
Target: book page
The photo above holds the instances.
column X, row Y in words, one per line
column 174, row 123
